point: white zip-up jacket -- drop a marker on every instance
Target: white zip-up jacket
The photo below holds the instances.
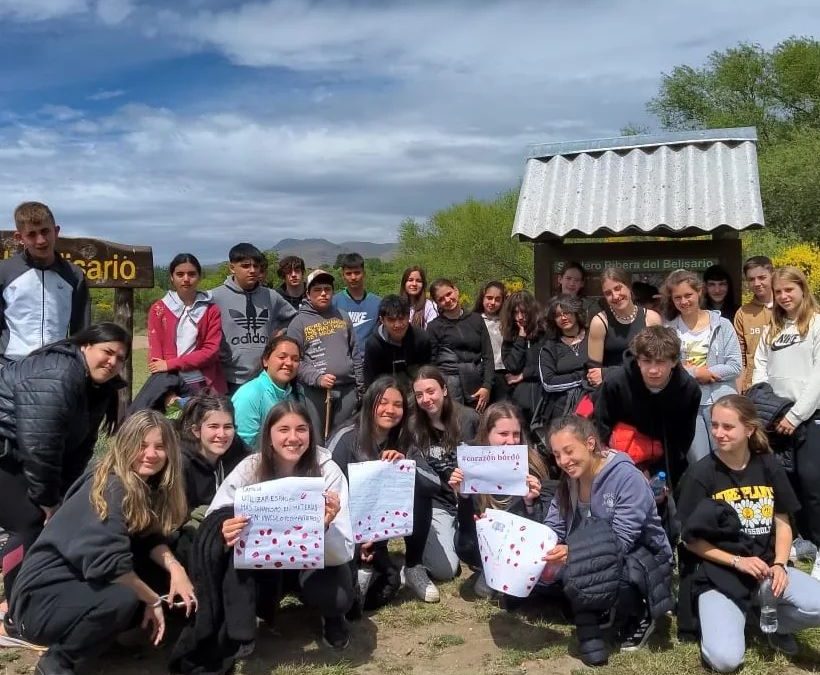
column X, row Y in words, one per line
column 40, row 305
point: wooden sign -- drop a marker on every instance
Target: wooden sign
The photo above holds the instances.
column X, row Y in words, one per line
column 105, row 264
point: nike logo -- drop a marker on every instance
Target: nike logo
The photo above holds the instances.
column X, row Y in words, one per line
column 783, row 341
column 358, row 318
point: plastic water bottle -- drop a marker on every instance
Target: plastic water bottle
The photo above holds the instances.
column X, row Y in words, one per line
column 658, row 483
column 768, row 606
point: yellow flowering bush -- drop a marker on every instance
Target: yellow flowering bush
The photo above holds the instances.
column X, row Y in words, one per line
column 805, row 257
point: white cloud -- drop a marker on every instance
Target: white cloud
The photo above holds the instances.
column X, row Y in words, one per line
column 60, row 113
column 106, row 94
column 112, row 12
column 40, row 10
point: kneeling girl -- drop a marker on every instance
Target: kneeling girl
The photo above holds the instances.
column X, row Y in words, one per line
column 604, row 510
column 288, row 448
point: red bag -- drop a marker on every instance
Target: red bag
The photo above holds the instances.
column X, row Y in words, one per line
column 640, row 447
column 585, row 406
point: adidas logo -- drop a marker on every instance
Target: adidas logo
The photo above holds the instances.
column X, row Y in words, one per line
column 251, row 325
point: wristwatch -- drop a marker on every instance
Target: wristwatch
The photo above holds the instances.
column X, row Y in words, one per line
column 735, row 561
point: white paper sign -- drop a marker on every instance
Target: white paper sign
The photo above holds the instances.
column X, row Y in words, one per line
column 493, row 469
column 287, row 525
column 381, row 499
column 512, row 550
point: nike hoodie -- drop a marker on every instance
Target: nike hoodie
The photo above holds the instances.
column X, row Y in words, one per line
column 790, row 366
column 249, row 318
column 328, row 343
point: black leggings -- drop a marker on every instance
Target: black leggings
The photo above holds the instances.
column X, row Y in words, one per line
column 76, row 619
column 21, row 518
column 807, row 470
column 330, row 590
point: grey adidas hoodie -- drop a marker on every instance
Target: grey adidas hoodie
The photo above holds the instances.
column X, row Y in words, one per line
column 249, row 318
column 328, row 344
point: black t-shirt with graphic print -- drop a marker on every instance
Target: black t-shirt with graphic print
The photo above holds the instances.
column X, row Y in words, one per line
column 756, row 493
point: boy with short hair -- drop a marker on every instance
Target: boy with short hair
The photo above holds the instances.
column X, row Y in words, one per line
column 331, row 367
column 362, row 307
column 43, row 298
column 291, row 271
column 251, row 314
column 753, row 316
column 653, row 393
column 395, row 348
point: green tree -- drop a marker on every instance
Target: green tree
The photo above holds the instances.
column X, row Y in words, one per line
column 469, row 242
column 777, row 91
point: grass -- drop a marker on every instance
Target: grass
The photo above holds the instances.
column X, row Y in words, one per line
column 436, row 644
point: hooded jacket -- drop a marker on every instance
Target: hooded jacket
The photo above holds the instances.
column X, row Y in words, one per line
column 724, row 357
column 50, row 415
column 521, row 356
column 621, row 496
column 163, row 320
column 249, row 318
column 328, row 344
column 338, row 536
column 462, row 347
column 202, row 479
column 382, row 356
column 668, row 415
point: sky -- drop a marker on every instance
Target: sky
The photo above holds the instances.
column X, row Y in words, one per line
column 195, row 124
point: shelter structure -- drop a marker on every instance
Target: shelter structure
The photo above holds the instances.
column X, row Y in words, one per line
column 664, row 189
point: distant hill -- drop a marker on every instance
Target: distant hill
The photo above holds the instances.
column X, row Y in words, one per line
column 316, row 252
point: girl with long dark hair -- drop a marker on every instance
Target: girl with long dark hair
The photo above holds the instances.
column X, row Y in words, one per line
column 413, row 288
column 488, row 303
column 288, row 448
column 719, row 292
column 381, row 431
column 185, row 329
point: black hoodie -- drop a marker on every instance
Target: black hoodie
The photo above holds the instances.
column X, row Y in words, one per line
column 202, row 479
column 668, row 415
column 382, row 356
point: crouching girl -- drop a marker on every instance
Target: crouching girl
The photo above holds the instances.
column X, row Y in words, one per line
column 735, row 508
column 78, row 587
column 604, row 514
column 288, row 448
column 500, row 425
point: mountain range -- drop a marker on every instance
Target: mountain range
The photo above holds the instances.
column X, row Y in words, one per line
column 316, row 252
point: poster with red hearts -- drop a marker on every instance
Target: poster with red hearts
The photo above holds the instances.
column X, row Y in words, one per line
column 512, row 551
column 287, row 525
column 493, row 469
column 381, row 499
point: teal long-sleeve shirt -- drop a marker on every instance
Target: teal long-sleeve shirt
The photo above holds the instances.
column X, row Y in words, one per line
column 252, row 402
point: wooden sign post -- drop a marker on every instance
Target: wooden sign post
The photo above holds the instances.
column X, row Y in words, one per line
column 106, row 265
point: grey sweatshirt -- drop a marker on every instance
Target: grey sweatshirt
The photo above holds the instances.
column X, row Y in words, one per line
column 328, row 344
column 248, row 320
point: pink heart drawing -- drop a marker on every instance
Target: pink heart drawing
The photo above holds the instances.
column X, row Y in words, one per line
column 261, row 533
column 302, row 547
column 287, row 532
column 278, row 563
column 255, row 554
column 522, row 528
column 358, row 538
column 273, row 541
column 269, row 532
column 258, row 566
column 267, row 556
column 297, row 527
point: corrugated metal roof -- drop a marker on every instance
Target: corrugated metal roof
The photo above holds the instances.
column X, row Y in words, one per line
column 678, row 184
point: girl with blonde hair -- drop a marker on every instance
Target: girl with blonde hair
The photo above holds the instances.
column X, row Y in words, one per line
column 79, row 585
column 787, row 359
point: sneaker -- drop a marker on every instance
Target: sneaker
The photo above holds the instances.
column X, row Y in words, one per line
column 364, row 577
column 815, row 570
column 783, row 643
column 636, row 633
column 481, row 589
column 335, row 633
column 51, row 664
column 416, row 579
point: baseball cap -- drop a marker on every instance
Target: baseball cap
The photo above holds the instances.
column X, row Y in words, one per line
column 319, row 276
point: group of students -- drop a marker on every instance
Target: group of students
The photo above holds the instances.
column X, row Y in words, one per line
column 681, row 395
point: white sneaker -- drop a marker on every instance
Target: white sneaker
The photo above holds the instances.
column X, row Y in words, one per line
column 364, row 577
column 416, row 579
column 815, row 570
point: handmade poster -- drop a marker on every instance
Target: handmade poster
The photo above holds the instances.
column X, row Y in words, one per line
column 381, row 499
column 493, row 469
column 512, row 551
column 287, row 525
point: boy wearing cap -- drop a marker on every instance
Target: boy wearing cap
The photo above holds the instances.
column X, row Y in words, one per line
column 331, row 364
column 251, row 313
